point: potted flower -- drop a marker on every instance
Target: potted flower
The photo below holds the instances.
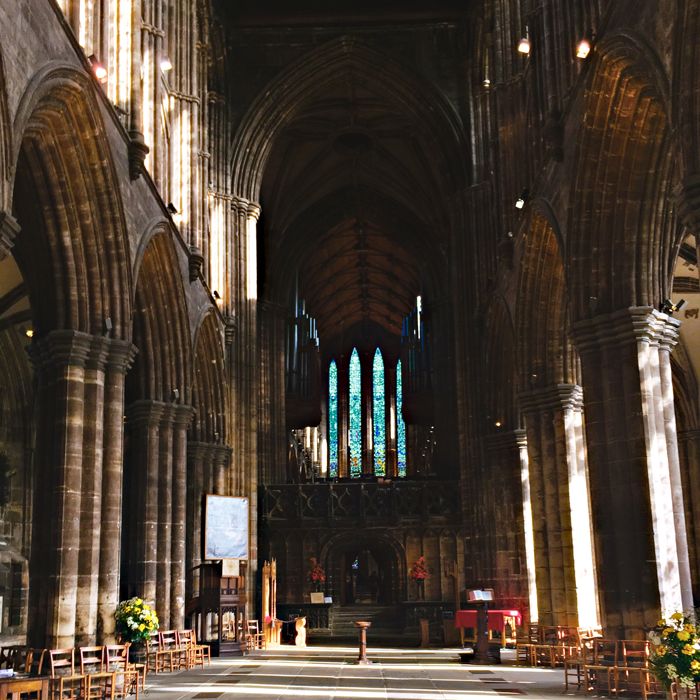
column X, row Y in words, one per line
column 419, row 572
column 136, row 622
column 675, row 652
column 316, row 575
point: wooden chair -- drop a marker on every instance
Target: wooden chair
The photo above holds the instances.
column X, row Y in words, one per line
column 127, row 675
column 523, row 647
column 157, row 658
column 169, row 644
column 205, row 649
column 65, row 683
column 35, row 661
column 599, row 665
column 254, row 638
column 632, row 670
column 544, row 652
column 99, row 680
column 184, row 641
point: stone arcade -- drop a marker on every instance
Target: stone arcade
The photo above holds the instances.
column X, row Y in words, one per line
column 272, row 250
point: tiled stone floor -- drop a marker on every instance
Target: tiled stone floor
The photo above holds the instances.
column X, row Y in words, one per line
column 328, row 672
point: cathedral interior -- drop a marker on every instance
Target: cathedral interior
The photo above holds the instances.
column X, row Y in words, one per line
column 415, row 279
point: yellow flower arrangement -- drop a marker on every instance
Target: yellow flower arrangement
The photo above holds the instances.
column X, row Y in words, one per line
column 675, row 651
column 135, row 621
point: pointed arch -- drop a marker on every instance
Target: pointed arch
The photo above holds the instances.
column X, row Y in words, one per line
column 545, row 352
column 161, row 330
column 285, row 95
column 209, row 387
column 620, row 227
column 73, row 247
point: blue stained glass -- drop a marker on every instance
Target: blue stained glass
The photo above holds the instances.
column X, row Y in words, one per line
column 400, row 425
column 378, row 415
column 355, row 417
column 333, row 419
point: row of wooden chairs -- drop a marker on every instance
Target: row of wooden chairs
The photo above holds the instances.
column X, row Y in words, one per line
column 176, row 650
column 551, row 645
column 94, row 673
column 612, row 666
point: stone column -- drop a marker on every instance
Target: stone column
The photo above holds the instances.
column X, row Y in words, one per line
column 632, row 489
column 198, row 454
column 689, row 449
column 91, row 496
column 221, row 464
column 502, row 519
column 165, row 514
column 182, row 418
column 119, row 359
column 343, row 423
column 67, row 351
column 9, row 228
column 559, row 498
column 271, row 435
column 145, row 418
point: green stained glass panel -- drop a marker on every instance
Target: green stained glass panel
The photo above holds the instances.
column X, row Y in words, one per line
column 378, row 415
column 355, row 417
column 400, row 425
column 333, row 419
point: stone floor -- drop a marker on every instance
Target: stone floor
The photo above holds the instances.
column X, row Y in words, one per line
column 328, row 672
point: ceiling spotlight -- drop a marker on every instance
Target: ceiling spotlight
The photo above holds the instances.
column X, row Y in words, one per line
column 584, row 48
column 174, row 213
column 165, row 63
column 520, row 203
column 487, row 82
column 668, row 307
column 498, row 423
column 98, row 69
column 524, row 45
column 27, row 331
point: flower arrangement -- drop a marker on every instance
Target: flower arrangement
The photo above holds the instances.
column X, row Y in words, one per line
column 316, row 574
column 419, row 571
column 675, row 651
column 136, row 622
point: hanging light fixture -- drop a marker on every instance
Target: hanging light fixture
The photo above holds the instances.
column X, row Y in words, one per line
column 524, row 44
column 583, row 49
column 98, row 69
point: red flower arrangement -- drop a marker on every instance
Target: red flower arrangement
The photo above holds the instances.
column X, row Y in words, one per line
column 420, row 571
column 316, row 574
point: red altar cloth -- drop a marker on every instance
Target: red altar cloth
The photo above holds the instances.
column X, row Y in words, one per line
column 496, row 619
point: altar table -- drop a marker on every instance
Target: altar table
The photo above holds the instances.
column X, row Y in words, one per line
column 497, row 621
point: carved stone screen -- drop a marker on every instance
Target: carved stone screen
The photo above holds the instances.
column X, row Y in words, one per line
column 226, row 527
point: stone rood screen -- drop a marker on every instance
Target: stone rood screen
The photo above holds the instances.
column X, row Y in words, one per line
column 226, row 527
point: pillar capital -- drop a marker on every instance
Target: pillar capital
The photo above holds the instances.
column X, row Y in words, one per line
column 552, row 398
column 632, row 325
column 222, row 453
column 98, row 353
column 183, row 415
column 504, row 441
column 67, row 347
column 245, row 206
column 145, row 412
column 120, row 356
column 167, row 416
column 199, row 450
column 9, row 228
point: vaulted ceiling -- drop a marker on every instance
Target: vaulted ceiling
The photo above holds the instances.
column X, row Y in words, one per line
column 344, row 151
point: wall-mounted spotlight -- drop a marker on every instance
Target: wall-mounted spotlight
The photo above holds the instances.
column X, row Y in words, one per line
column 498, row 423
column 174, row 213
column 583, row 48
column 165, row 63
column 107, row 326
column 668, row 307
column 174, row 395
column 26, row 331
column 520, row 203
column 524, row 44
column 98, row 69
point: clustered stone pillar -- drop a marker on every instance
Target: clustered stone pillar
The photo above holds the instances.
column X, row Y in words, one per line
column 75, row 459
column 636, row 493
column 157, row 485
column 560, row 505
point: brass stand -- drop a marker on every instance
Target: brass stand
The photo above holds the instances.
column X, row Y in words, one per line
column 362, row 628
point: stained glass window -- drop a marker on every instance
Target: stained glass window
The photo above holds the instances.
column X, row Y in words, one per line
column 400, row 425
column 333, row 419
column 355, row 417
column 378, row 415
